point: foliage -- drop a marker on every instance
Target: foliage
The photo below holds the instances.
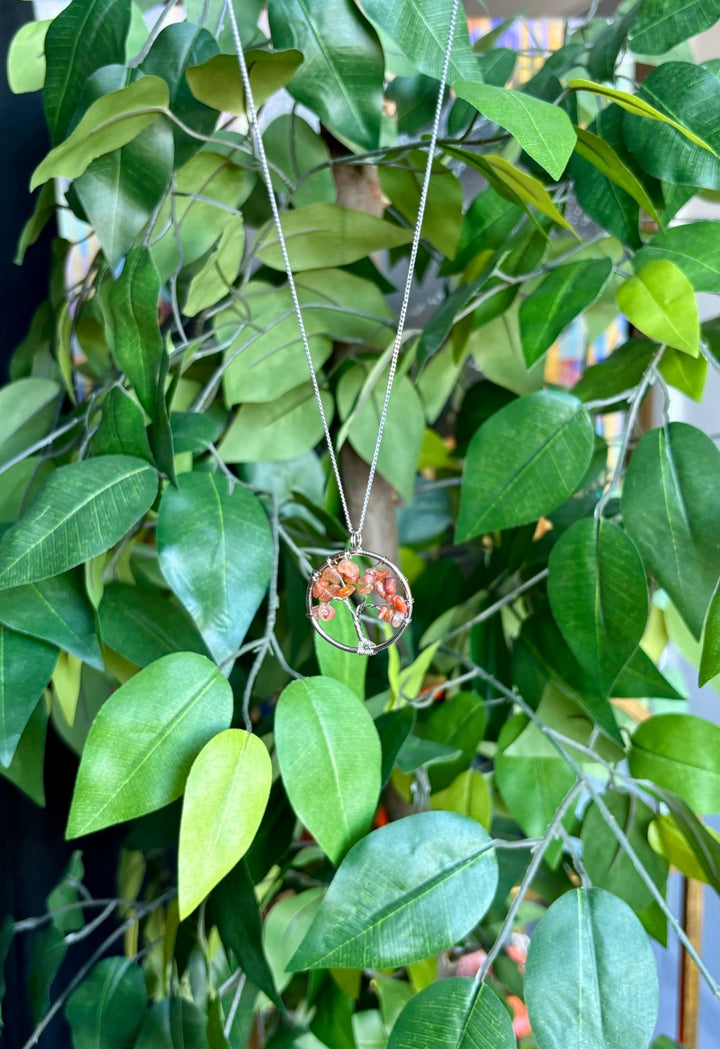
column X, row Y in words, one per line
column 351, row 830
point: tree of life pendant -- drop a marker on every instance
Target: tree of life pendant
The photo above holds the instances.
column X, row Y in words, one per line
column 375, row 592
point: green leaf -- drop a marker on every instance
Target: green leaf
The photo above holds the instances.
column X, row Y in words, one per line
column 590, row 977
column 143, row 624
column 25, row 413
column 108, row 124
column 543, row 130
column 27, row 768
column 321, row 235
column 460, row 724
column 680, row 752
column 285, row 926
column 348, row 668
column 621, row 371
column 216, row 552
column 420, row 29
column 598, row 596
column 121, row 430
column 659, row 300
column 710, row 657
column 599, row 192
column 603, row 157
column 137, row 343
column 26, row 57
column 563, row 294
column 511, row 183
column 607, row 45
column 218, row 83
column 173, row 1023
column 661, row 24
column 120, row 190
column 234, row 909
column 302, row 154
column 668, row 840
column 531, row 784
column 693, row 249
column 82, row 510
column 341, row 77
column 407, row 891
column 216, row 276
column 684, row 149
column 671, row 509
column 86, row 35
column 145, row 738
column 687, row 374
column 454, row 1014
column 525, row 461
column 184, row 233
column 109, row 1005
column 641, row 678
column 225, row 798
column 402, row 184
column 329, row 755
column 701, row 840
column 605, row 860
column 360, row 400
column 26, row 665
column 278, row 430
column 177, row 47
column 55, row 610
column 638, row 107
column 469, row 795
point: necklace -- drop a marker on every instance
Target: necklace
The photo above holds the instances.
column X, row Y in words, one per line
column 374, row 591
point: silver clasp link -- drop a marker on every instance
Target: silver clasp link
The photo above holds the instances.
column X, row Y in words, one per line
column 355, row 541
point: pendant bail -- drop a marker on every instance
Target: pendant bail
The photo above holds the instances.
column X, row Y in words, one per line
column 355, row 541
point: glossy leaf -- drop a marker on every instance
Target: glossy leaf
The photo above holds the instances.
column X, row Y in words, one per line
column 460, row 724
column 178, row 46
column 137, row 343
column 563, row 294
column 685, row 373
column 598, row 595
column 598, row 152
column 24, row 406
column 617, row 374
column 173, row 1023
column 454, row 1014
column 279, row 430
column 590, row 977
column 703, row 842
column 93, row 32
column 469, row 795
column 108, row 124
column 121, row 430
column 285, row 927
column 661, row 24
column 659, row 300
column 217, row 82
column 329, row 755
column 684, row 148
column 671, row 509
column 234, row 909
column 670, row 840
column 109, row 1005
column 55, row 610
column 27, row 768
column 144, row 739
column 215, row 551
column 692, row 247
column 599, row 180
column 225, row 798
column 143, row 624
column 526, row 460
column 25, row 668
column 360, row 408
column 710, row 657
column 348, row 668
column 81, row 511
column 543, row 130
column 420, row 28
column 608, row 44
column 341, row 77
column 320, row 235
column 640, row 677
column 403, row 893
column 120, row 190
column 680, row 752
column 606, row 861
column 511, row 183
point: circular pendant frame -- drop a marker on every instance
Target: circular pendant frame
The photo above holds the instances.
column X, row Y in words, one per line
column 338, row 573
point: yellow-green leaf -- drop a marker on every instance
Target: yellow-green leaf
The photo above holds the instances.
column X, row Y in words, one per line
column 659, row 300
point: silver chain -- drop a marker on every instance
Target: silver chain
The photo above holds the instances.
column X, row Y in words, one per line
column 355, row 534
